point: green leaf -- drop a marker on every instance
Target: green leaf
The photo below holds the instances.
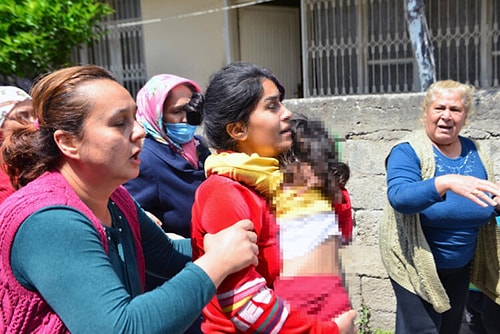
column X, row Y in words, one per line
column 38, row 35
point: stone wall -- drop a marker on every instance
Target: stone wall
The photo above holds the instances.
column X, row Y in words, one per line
column 371, row 124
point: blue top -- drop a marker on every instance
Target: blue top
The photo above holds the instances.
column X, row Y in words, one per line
column 166, row 184
column 450, row 223
column 59, row 243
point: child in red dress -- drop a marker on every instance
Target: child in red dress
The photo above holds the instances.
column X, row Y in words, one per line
column 310, row 236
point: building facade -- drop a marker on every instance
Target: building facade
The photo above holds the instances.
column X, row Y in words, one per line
column 317, row 47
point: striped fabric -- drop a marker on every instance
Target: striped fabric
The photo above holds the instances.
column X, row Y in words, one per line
column 253, row 305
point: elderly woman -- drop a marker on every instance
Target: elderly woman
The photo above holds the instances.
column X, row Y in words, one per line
column 442, row 198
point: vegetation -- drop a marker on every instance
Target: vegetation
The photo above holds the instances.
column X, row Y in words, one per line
column 363, row 322
column 37, row 36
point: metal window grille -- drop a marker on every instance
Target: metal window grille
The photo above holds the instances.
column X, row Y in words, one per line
column 121, row 49
column 362, row 46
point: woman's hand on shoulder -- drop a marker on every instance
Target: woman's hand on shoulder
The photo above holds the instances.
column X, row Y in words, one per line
column 477, row 190
column 229, row 251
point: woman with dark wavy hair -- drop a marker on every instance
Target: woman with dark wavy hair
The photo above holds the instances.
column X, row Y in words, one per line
column 245, row 121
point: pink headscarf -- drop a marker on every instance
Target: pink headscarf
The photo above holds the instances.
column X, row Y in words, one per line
column 150, row 100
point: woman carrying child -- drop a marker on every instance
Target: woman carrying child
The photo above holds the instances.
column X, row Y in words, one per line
column 245, row 121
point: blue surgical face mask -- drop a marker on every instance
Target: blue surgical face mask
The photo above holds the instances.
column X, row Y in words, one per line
column 180, row 133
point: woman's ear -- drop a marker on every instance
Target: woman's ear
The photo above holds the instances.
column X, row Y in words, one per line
column 67, row 143
column 237, row 131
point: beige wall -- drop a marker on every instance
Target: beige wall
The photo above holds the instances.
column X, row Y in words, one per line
column 192, row 47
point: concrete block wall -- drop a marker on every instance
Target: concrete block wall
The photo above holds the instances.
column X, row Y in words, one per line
column 371, row 124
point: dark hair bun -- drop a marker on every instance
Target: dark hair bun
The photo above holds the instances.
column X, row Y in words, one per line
column 194, row 109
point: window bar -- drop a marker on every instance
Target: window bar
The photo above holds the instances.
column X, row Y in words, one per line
column 457, row 36
column 320, row 50
column 477, row 44
column 328, row 45
column 397, row 45
column 495, row 36
column 343, row 52
column 381, row 48
column 448, row 40
column 372, row 47
column 350, row 78
column 313, row 49
column 388, row 44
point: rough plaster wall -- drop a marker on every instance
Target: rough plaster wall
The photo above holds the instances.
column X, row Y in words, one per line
column 371, row 124
column 181, row 44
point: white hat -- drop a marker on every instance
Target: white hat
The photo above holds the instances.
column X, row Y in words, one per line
column 9, row 96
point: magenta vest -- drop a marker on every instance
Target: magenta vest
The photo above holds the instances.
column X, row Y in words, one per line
column 22, row 310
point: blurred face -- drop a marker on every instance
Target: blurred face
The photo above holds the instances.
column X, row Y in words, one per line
column 112, row 138
column 445, row 117
column 173, row 111
column 303, row 175
column 21, row 112
column 268, row 130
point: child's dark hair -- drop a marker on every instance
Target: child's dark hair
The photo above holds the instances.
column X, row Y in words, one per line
column 312, row 143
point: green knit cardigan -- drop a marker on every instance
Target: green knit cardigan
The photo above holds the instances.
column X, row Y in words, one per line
column 406, row 254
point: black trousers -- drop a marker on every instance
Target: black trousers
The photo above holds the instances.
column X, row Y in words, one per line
column 416, row 316
column 483, row 314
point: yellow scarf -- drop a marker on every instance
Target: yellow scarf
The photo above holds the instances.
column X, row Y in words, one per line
column 295, row 202
column 260, row 173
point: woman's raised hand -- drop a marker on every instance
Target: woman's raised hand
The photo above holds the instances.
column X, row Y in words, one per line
column 477, row 190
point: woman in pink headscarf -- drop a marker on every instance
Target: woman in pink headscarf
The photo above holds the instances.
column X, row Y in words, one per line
column 173, row 156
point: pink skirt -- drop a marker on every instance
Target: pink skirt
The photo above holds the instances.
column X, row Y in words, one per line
column 323, row 297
